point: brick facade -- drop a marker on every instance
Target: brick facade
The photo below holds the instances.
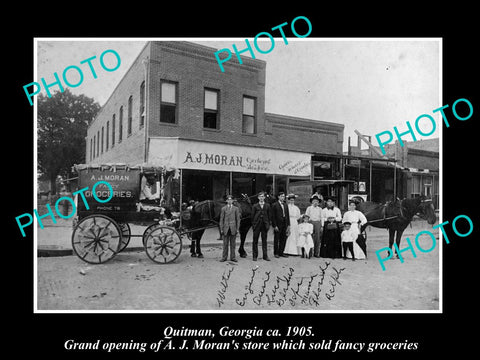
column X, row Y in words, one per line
column 131, row 149
column 193, row 68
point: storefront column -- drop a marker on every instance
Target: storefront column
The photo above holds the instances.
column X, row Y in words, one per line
column 181, row 198
column 394, row 181
column 231, row 183
column 370, row 183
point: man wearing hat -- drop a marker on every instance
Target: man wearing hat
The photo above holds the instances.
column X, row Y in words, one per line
column 261, row 217
column 229, row 225
column 281, row 225
column 314, row 212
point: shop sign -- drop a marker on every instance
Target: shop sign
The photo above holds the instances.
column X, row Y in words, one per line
column 187, row 154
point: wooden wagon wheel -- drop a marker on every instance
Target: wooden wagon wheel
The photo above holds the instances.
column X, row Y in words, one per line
column 162, row 244
column 96, row 239
column 148, row 230
column 126, row 232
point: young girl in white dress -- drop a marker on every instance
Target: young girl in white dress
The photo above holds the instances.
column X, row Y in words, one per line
column 305, row 240
column 291, row 246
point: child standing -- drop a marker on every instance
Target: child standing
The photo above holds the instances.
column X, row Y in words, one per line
column 348, row 237
column 305, row 240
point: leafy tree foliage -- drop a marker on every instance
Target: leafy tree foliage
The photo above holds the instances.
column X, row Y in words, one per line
column 62, row 126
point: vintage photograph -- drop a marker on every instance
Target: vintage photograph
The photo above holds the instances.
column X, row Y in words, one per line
column 209, row 175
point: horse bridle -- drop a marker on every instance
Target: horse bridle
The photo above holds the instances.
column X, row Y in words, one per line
column 422, row 202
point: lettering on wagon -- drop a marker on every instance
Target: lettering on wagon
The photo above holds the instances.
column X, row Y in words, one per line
column 84, row 193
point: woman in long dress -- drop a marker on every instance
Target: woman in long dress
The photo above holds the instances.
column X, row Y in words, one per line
column 357, row 219
column 291, row 245
column 331, row 246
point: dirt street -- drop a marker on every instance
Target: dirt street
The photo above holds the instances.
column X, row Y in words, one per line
column 131, row 281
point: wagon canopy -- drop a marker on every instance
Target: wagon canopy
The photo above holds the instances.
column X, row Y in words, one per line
column 144, row 168
column 125, row 181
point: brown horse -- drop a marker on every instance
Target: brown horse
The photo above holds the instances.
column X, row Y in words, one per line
column 396, row 215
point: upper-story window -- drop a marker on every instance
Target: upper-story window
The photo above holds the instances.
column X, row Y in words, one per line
column 129, row 115
column 120, row 124
column 168, row 104
column 113, row 130
column 107, row 136
column 98, row 143
column 142, row 104
column 210, row 111
column 248, row 119
column 103, row 134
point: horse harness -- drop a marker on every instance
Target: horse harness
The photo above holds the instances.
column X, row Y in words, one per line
column 384, row 212
column 388, row 203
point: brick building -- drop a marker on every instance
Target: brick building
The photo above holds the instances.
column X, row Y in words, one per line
column 175, row 107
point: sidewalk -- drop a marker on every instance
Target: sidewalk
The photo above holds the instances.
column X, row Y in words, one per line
column 55, row 239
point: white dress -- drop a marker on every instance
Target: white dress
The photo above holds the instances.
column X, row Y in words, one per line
column 305, row 239
column 357, row 251
column 357, row 219
column 292, row 240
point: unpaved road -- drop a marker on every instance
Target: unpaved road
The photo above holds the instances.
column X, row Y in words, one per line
column 131, row 281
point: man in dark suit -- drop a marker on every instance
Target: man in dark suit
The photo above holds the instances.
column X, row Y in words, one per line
column 281, row 225
column 229, row 226
column 261, row 218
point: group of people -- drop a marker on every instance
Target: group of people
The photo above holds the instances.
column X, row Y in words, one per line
column 320, row 232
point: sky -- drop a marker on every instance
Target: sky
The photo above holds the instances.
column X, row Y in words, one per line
column 369, row 85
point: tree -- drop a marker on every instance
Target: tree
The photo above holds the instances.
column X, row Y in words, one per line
column 62, row 125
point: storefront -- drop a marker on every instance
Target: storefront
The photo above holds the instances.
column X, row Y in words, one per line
column 211, row 170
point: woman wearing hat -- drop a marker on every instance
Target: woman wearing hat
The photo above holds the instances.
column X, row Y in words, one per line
column 331, row 246
column 314, row 212
column 291, row 246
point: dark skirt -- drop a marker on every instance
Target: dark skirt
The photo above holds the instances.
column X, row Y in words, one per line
column 331, row 246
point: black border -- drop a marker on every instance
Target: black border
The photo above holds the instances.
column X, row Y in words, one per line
column 436, row 333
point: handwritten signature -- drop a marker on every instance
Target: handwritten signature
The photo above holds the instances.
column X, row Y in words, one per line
column 305, row 290
column 248, row 288
column 224, row 286
column 335, row 277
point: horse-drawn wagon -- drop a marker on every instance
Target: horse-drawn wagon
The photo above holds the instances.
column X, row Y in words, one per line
column 101, row 228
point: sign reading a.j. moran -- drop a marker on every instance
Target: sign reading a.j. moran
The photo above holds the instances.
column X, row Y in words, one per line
column 197, row 155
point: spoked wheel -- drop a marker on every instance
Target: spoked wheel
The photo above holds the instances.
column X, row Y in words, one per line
column 126, row 232
column 148, row 230
column 162, row 244
column 96, row 239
